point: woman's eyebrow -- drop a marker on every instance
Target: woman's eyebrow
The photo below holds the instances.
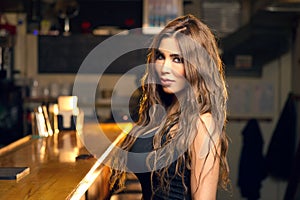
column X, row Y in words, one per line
column 175, row 55
column 171, row 55
column 158, row 51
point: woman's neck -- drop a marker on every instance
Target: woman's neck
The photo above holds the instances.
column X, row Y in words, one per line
column 175, row 104
column 173, row 108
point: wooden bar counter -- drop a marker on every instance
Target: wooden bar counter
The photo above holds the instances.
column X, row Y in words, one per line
column 54, row 171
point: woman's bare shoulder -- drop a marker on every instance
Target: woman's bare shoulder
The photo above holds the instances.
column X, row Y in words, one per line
column 208, row 120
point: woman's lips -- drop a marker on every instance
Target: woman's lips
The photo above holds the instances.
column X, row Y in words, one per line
column 166, row 82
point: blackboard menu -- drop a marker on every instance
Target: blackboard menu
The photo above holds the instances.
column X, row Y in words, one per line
column 65, row 54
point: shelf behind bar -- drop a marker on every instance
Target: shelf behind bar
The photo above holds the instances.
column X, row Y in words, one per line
column 259, row 118
column 247, row 118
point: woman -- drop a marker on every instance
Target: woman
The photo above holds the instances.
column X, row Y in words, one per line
column 178, row 147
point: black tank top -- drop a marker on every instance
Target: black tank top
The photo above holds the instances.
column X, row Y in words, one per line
column 176, row 190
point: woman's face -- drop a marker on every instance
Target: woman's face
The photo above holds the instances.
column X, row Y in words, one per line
column 169, row 66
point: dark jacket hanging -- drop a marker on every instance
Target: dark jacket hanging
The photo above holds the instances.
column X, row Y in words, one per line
column 252, row 168
column 282, row 146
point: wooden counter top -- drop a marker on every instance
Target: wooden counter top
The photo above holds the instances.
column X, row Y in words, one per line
column 54, row 171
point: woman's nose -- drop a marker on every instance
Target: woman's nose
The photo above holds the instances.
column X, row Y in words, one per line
column 166, row 67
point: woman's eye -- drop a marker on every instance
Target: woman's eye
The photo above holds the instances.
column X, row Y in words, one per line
column 178, row 60
column 159, row 56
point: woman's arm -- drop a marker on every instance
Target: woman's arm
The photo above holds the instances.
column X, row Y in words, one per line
column 103, row 183
column 205, row 168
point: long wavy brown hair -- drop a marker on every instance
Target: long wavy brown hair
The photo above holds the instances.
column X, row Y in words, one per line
column 206, row 92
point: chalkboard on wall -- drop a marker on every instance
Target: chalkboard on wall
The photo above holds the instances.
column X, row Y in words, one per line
column 60, row 54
